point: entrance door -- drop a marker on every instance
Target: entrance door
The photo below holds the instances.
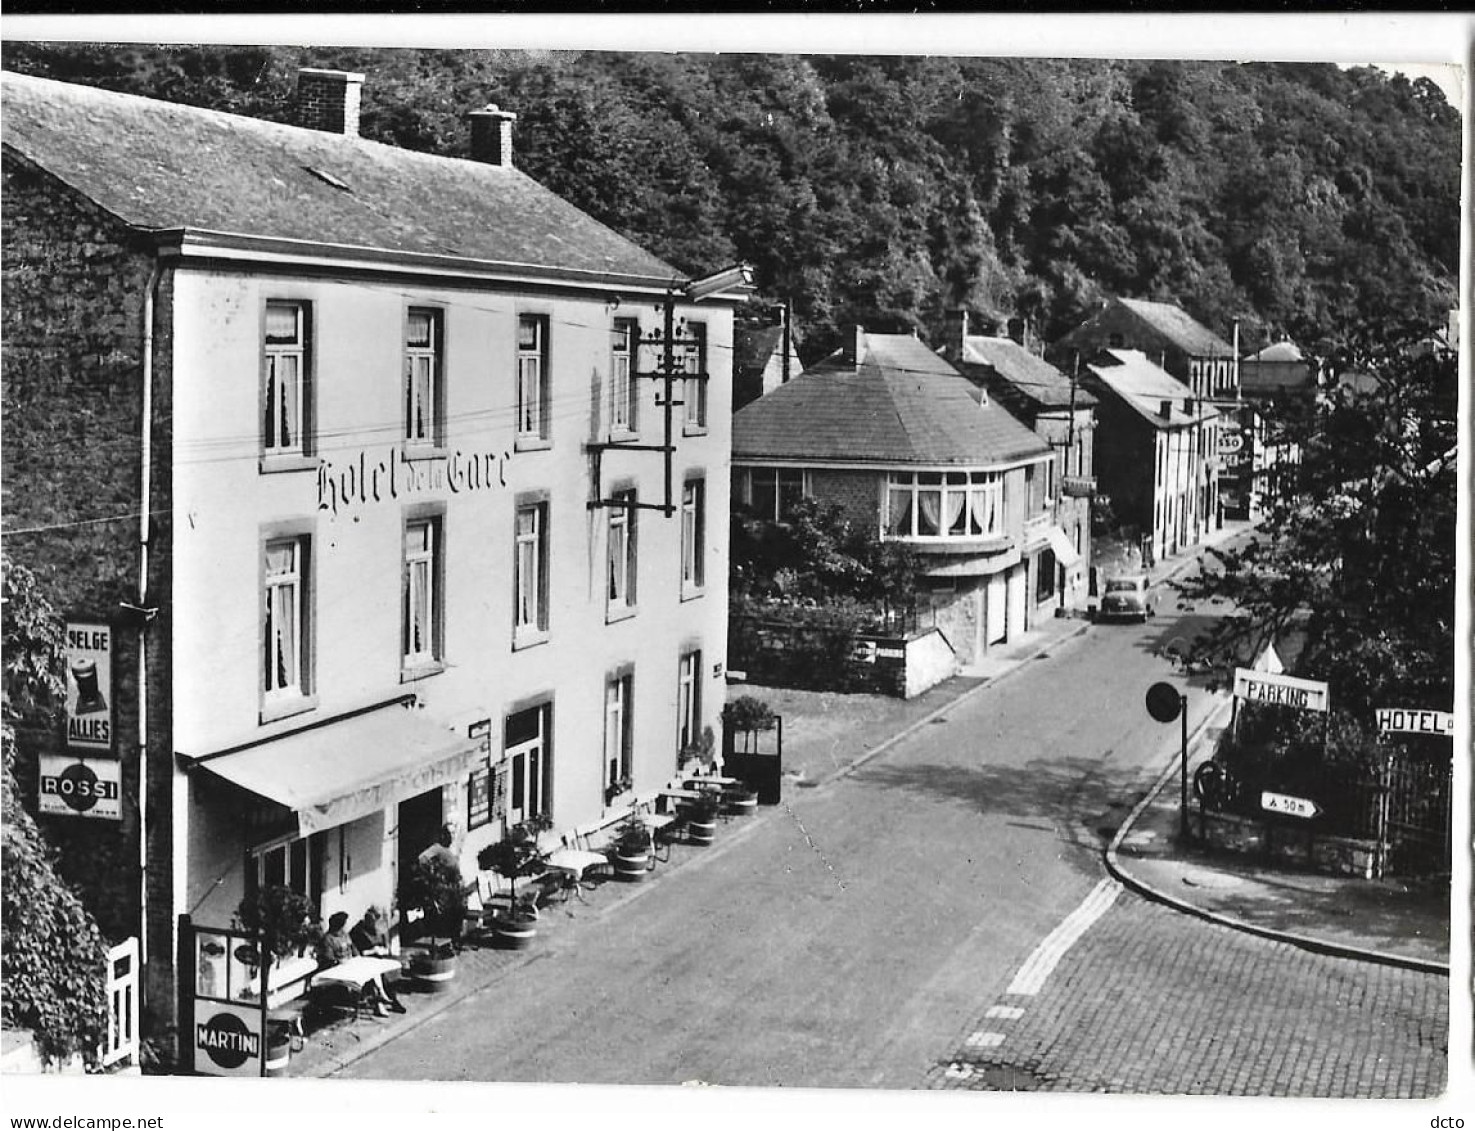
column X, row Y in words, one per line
column 996, row 614
column 526, row 740
column 419, row 824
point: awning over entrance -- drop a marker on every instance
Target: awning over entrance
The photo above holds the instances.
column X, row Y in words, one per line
column 1065, row 553
column 333, row 774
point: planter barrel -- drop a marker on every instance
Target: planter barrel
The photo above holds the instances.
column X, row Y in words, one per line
column 701, row 831
column 436, row 973
column 743, row 804
column 278, row 1050
column 631, row 869
column 514, row 934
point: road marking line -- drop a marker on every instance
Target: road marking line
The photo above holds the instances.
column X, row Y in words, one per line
column 1009, row 1012
column 1039, row 965
column 982, row 1040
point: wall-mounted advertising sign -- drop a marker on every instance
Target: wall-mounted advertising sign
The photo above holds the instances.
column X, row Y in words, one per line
column 1281, row 690
column 89, row 652
column 81, row 787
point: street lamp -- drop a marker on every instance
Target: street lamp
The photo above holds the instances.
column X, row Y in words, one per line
column 1166, row 703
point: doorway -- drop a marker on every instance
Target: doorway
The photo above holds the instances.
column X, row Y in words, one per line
column 420, row 819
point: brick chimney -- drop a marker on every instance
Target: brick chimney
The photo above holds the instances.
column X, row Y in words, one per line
column 853, row 349
column 329, row 100
column 954, row 334
column 491, row 135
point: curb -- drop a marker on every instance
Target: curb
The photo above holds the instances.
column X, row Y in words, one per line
column 912, row 728
column 1304, row 942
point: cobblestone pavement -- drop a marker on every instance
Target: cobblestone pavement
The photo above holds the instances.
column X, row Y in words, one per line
column 1150, row 1001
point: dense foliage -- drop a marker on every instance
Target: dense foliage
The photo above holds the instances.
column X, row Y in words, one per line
column 1295, row 196
column 53, row 959
column 1356, row 557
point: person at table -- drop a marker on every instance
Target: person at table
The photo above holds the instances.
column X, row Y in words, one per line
column 337, row 946
column 370, row 934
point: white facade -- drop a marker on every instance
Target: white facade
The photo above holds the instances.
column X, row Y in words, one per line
column 407, row 535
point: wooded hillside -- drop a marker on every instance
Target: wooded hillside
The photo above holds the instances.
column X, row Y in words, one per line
column 1298, row 197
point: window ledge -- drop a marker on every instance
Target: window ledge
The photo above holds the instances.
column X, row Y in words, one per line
column 531, row 444
column 616, row 613
column 415, row 450
column 623, row 435
column 277, row 464
column 693, row 429
column 692, row 592
column 409, row 673
column 529, row 638
column 286, row 707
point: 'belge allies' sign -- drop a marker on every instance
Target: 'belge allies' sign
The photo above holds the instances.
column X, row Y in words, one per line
column 89, row 653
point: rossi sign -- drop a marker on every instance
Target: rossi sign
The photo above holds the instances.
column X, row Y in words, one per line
column 76, row 787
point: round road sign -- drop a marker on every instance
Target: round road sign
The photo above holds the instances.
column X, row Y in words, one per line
column 1164, row 702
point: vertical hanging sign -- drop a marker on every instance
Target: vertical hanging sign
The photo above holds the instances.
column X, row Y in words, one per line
column 89, row 652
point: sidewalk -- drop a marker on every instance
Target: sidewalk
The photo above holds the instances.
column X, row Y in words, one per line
column 827, row 736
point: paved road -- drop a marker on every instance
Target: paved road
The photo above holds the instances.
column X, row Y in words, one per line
column 859, row 935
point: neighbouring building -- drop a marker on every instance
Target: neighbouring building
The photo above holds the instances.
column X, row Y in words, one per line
column 348, row 461
column 1278, row 372
column 1064, row 415
column 1194, row 355
column 765, row 356
column 1155, row 451
column 897, row 438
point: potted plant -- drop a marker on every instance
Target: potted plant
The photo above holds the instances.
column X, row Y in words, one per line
column 701, row 817
column 283, row 920
column 698, row 750
column 512, row 857
column 434, row 886
column 630, row 850
column 747, row 713
column 740, row 800
column 615, row 788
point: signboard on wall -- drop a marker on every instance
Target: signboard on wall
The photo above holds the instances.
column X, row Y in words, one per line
column 81, row 787
column 227, row 1038
column 89, row 710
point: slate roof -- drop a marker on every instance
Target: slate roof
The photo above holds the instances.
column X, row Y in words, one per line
column 1031, row 375
column 160, row 166
column 900, row 405
column 1144, row 386
column 1178, row 326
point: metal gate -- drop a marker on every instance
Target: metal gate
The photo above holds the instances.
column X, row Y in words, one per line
column 121, row 1041
column 1417, row 825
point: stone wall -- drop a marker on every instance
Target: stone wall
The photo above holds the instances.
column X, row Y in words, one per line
column 71, row 390
column 1279, row 842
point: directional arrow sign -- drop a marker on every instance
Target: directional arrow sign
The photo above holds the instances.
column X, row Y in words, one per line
column 1290, row 806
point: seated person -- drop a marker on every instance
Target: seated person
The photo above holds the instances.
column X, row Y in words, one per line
column 370, row 934
column 337, row 946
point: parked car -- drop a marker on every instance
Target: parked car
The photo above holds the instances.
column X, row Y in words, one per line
column 1126, row 597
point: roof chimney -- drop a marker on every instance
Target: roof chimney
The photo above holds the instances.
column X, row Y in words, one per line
column 853, row 348
column 954, row 334
column 329, row 100
column 1188, row 406
column 1165, row 410
column 491, row 135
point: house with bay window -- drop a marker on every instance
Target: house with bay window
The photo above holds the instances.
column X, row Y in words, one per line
column 358, row 454
column 905, row 445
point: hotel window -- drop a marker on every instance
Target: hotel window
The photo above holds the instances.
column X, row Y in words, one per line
column 689, row 700
column 295, row 864
column 525, row 739
column 530, row 572
column 693, row 534
column 620, row 591
column 532, row 377
column 285, row 665
column 773, row 491
column 618, row 732
column 423, row 348
column 951, row 504
column 422, row 593
column 694, row 364
column 624, row 363
column 286, row 376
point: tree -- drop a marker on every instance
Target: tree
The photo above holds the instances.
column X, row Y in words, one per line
column 53, row 959
column 1358, row 554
